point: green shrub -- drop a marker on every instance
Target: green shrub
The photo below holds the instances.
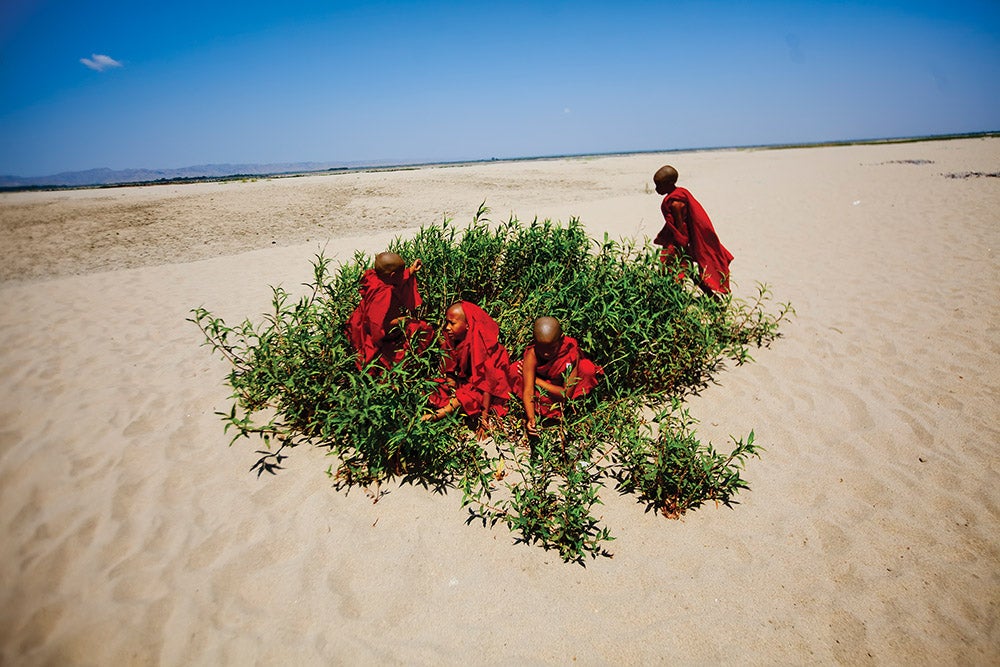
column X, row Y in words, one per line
column 294, row 379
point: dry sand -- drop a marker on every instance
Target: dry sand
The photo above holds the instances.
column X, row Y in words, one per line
column 131, row 534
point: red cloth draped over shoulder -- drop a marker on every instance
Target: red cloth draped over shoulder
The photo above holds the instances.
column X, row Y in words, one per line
column 697, row 236
column 368, row 328
column 567, row 358
column 478, row 364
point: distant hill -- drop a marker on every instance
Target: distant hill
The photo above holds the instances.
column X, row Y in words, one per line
column 104, row 176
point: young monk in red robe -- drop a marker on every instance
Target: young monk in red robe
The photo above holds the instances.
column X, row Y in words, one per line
column 477, row 367
column 688, row 233
column 384, row 322
column 552, row 371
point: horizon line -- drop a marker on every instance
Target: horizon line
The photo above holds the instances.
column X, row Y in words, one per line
column 377, row 165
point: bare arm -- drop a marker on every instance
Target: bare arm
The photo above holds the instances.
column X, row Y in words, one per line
column 484, row 415
column 677, row 210
column 528, row 366
column 552, row 389
column 558, row 392
column 408, row 315
column 453, row 405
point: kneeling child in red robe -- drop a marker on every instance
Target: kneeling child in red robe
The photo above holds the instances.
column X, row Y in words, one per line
column 477, row 367
column 552, row 371
column 384, row 323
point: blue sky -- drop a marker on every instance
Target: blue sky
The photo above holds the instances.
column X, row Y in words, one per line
column 163, row 85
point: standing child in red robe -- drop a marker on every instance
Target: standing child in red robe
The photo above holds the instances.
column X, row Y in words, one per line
column 477, row 367
column 384, row 322
column 552, row 371
column 688, row 232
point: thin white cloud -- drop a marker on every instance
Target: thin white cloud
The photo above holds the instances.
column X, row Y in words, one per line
column 100, row 62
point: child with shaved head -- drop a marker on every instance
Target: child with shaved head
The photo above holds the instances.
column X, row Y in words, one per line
column 552, row 371
column 477, row 367
column 688, row 233
column 385, row 322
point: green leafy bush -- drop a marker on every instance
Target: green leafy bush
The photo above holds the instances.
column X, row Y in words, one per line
column 294, row 379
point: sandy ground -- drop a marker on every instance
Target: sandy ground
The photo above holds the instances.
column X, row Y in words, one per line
column 133, row 535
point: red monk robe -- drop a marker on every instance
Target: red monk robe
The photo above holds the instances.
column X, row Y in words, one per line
column 369, row 329
column 696, row 236
column 555, row 371
column 477, row 364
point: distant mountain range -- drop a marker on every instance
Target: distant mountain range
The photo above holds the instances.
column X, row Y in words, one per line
column 92, row 177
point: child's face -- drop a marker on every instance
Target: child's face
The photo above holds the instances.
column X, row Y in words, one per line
column 455, row 325
column 547, row 351
column 663, row 187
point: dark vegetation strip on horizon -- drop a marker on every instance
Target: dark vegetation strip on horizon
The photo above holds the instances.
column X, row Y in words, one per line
column 185, row 180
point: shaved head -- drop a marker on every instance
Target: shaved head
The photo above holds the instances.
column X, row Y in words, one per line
column 387, row 262
column 455, row 323
column 547, row 330
column 665, row 175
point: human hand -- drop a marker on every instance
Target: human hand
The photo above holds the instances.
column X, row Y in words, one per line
column 531, row 427
column 417, row 265
column 484, row 425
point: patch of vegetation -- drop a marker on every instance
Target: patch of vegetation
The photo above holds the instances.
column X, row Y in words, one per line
column 658, row 338
column 973, row 174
